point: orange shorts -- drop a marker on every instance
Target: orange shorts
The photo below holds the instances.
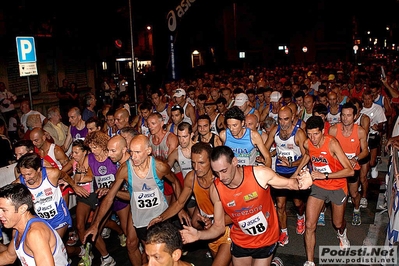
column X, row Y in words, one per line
column 224, row 239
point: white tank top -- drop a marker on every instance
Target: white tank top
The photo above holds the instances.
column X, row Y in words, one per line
column 147, row 199
column 273, row 115
column 333, row 119
column 144, row 129
column 59, row 253
column 186, row 118
column 185, row 163
column 214, row 125
column 51, row 154
column 164, row 113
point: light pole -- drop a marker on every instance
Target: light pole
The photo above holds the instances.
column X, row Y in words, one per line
column 133, row 59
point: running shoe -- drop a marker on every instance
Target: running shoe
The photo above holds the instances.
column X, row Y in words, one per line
column 356, row 219
column 300, row 225
column 122, row 240
column 276, row 261
column 106, row 233
column 374, row 172
column 363, row 203
column 344, row 243
column 283, row 240
column 309, row 263
column 87, row 258
column 72, row 238
column 321, row 221
column 108, row 261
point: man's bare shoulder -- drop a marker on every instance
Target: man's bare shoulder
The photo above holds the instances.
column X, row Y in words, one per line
column 188, row 180
column 263, row 175
column 122, row 173
column 52, row 171
column 162, row 167
column 172, row 136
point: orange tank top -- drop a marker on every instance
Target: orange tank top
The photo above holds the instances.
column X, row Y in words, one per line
column 251, row 208
column 202, row 198
column 324, row 162
column 351, row 144
column 357, row 94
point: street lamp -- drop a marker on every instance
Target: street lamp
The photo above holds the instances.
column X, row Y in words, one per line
column 355, row 48
column 304, row 50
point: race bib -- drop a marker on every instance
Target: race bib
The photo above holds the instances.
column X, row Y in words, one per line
column 323, row 169
column 243, row 161
column 147, row 200
column 254, row 225
column 350, row 155
column 46, row 210
column 287, row 154
column 105, row 181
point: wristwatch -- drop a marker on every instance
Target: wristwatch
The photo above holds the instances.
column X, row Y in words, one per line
column 326, row 174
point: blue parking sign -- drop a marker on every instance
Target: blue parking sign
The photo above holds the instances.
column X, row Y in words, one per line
column 26, row 50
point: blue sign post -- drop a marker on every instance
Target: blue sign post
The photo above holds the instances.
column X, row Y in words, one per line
column 26, row 50
column 27, row 59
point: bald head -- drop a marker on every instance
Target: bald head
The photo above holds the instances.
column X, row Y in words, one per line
column 140, row 140
column 140, row 150
column 37, row 137
column 122, row 112
column 293, row 107
column 121, row 117
column 285, row 118
column 37, row 132
column 117, row 148
column 251, row 121
column 285, row 110
column 118, row 140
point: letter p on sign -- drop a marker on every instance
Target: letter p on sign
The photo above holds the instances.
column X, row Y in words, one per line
column 26, row 50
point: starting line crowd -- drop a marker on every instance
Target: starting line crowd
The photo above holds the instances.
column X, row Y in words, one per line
column 211, row 158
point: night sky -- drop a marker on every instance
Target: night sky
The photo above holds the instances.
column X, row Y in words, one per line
column 99, row 20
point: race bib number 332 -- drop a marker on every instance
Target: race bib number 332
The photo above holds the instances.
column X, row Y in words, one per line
column 147, row 200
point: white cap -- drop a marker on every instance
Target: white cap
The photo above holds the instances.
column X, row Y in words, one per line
column 179, row 92
column 275, row 96
column 240, row 99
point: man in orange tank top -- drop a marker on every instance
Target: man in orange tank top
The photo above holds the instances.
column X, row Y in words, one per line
column 353, row 140
column 330, row 167
column 243, row 193
column 198, row 182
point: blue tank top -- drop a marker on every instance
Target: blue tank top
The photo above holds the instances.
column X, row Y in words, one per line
column 172, row 128
column 257, row 105
column 287, row 148
column 49, row 203
column 243, row 147
column 379, row 100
